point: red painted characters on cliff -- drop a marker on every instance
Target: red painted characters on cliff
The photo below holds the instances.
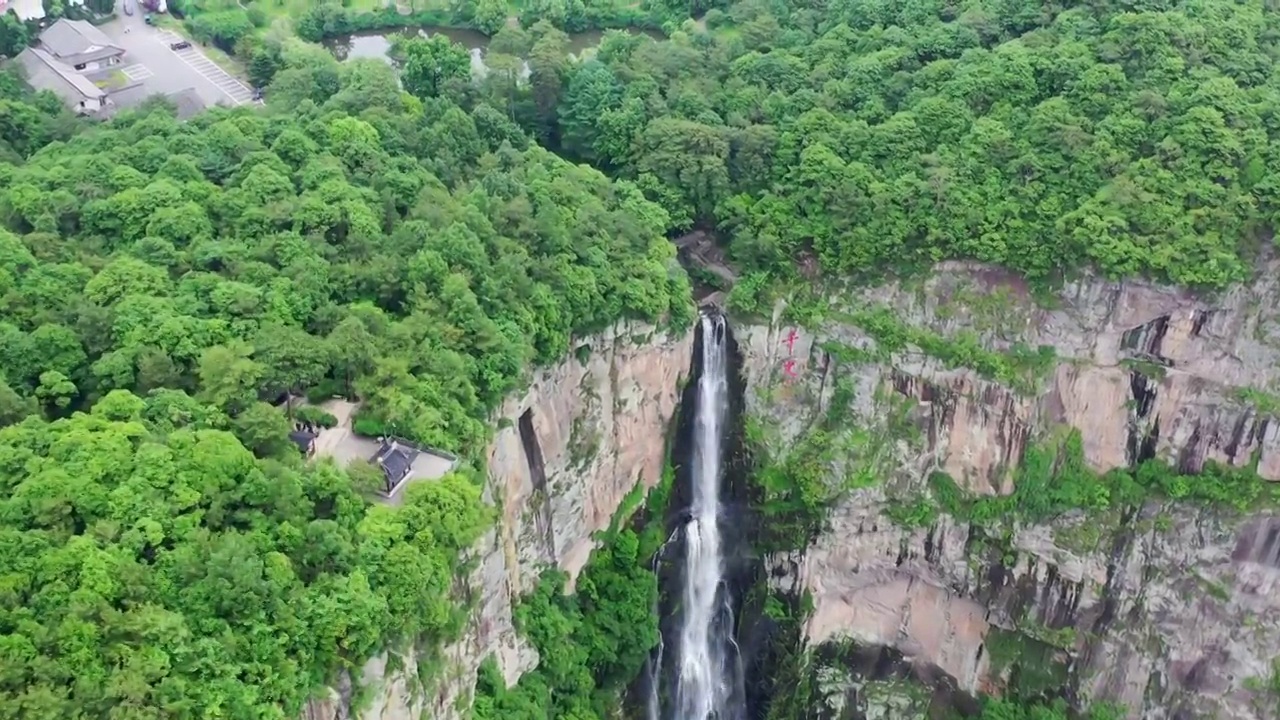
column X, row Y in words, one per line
column 789, row 365
column 791, row 341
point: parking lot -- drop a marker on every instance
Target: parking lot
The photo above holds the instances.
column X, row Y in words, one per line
column 237, row 91
column 162, row 70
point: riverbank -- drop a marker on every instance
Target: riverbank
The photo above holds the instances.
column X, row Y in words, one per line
column 325, row 22
column 378, row 43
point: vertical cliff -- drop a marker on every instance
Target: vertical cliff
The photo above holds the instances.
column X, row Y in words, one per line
column 566, row 453
column 1169, row 610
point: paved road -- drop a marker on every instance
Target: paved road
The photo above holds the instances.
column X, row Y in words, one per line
column 165, row 71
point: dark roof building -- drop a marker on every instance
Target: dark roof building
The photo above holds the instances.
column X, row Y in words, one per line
column 77, row 43
column 304, row 439
column 395, row 457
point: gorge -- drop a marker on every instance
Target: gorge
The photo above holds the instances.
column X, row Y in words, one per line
column 706, row 678
column 1161, row 602
column 853, row 360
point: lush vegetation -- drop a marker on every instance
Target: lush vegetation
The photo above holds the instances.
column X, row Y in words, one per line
column 1016, row 709
column 406, row 249
column 228, row 21
column 163, row 283
column 593, row 643
column 861, row 137
column 14, row 34
column 29, row 121
column 1053, row 479
column 421, row 245
column 160, row 571
column 1019, row 367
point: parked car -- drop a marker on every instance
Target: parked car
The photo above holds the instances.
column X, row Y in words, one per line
column 180, row 45
column 128, row 7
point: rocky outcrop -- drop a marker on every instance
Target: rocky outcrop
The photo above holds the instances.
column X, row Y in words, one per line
column 568, row 450
column 1171, row 612
column 586, row 432
column 1173, row 620
column 1134, row 362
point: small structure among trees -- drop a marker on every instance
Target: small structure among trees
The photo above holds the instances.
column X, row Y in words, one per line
column 304, row 436
column 395, row 458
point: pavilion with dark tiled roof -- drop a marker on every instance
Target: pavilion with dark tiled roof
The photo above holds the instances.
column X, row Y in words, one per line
column 395, row 458
column 305, row 439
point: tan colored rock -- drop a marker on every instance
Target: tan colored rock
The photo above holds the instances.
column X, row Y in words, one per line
column 592, row 431
column 1093, row 400
column 600, row 428
column 1170, row 622
column 1196, row 606
column 1211, row 348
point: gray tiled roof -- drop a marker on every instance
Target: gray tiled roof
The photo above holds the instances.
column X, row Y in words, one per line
column 303, row 439
column 76, row 41
column 44, row 72
column 187, row 101
column 395, row 459
column 395, row 464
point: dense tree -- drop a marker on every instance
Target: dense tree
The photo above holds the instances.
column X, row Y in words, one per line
column 13, row 34
column 224, row 28
column 168, row 554
column 878, row 136
column 167, row 567
column 431, row 65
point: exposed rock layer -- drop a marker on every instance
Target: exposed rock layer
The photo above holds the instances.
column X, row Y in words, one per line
column 568, row 450
column 1169, row 617
column 1173, row 610
column 1205, row 355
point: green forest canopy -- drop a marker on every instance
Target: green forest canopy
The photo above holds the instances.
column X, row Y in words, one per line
column 165, row 553
column 1139, row 136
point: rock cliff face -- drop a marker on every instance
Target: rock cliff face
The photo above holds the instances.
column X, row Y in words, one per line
column 568, row 450
column 1172, row 612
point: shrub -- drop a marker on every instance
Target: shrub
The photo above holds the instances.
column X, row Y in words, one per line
column 316, row 416
column 369, row 426
column 324, row 390
column 715, row 18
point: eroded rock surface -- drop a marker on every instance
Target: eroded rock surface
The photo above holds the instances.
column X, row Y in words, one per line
column 1202, row 365
column 1172, row 611
column 568, row 451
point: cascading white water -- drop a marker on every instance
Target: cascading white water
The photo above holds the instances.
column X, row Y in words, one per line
column 704, row 684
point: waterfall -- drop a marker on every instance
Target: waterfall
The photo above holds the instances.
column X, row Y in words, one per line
column 706, row 672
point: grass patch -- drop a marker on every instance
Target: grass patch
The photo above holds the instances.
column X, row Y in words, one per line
column 1021, row 367
column 1146, row 368
column 1263, row 401
column 1053, row 479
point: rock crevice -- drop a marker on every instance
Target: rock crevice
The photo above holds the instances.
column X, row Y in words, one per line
column 1168, row 610
column 567, row 452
